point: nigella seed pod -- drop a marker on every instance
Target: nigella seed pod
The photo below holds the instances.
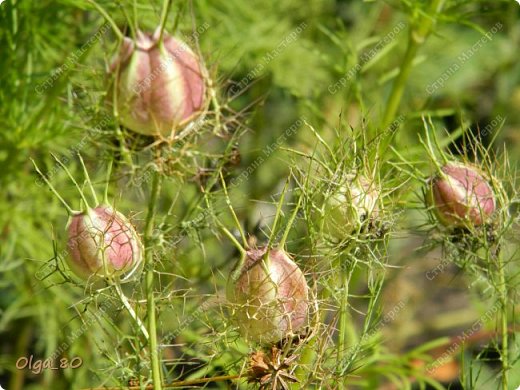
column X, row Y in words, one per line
column 102, row 242
column 461, row 196
column 160, row 88
column 350, row 206
column 270, row 296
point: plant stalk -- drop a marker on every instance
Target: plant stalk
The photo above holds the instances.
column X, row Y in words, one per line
column 164, row 17
column 504, row 325
column 149, row 264
column 345, row 328
column 129, row 308
column 396, row 94
column 109, row 19
column 416, row 38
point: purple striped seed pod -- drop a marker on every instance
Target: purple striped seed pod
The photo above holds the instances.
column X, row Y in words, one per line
column 461, row 196
column 160, row 88
column 270, row 297
column 102, row 242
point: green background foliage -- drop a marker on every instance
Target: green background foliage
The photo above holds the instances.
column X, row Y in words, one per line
column 266, row 83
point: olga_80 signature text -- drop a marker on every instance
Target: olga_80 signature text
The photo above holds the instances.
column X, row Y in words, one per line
column 38, row 365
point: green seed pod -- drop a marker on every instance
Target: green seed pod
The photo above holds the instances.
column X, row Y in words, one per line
column 350, row 206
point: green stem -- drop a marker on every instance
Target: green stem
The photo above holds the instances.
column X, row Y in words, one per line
column 108, row 176
column 290, row 223
column 310, row 350
column 125, row 153
column 394, row 100
column 504, row 323
column 232, row 210
column 342, row 324
column 131, row 26
column 238, row 246
column 278, row 213
column 129, row 308
column 71, row 177
column 150, row 300
column 164, row 18
column 54, row 191
column 345, row 322
column 106, row 15
column 415, row 39
column 346, row 331
column 89, row 182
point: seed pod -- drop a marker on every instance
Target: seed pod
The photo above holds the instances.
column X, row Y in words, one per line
column 160, row 88
column 102, row 242
column 270, row 296
column 461, row 196
column 347, row 209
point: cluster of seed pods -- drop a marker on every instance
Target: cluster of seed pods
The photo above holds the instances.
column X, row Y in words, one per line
column 160, row 88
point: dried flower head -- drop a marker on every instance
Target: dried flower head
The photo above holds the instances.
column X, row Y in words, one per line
column 271, row 371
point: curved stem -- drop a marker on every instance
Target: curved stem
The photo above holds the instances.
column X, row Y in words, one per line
column 53, row 190
column 87, row 178
column 235, row 242
column 235, row 273
column 290, row 223
column 71, row 177
column 131, row 24
column 150, row 299
column 129, row 308
column 279, row 211
column 230, row 206
column 105, row 14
